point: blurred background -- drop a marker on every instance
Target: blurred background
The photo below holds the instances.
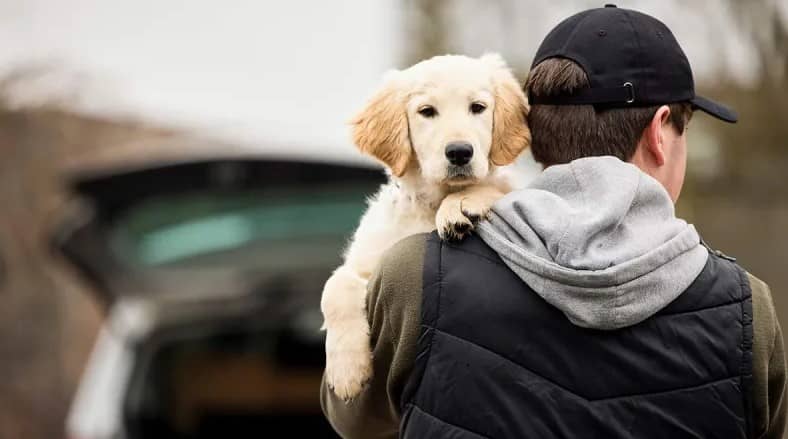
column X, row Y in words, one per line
column 130, row 128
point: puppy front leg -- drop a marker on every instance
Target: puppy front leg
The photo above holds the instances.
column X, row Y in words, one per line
column 460, row 211
column 344, row 306
column 348, row 354
column 344, row 301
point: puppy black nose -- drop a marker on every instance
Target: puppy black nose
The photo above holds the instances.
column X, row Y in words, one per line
column 459, row 153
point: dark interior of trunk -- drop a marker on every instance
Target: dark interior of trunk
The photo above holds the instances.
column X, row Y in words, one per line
column 237, row 381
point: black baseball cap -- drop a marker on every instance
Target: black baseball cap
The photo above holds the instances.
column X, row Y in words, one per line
column 631, row 59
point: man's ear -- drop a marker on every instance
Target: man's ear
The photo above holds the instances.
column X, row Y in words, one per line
column 653, row 136
column 381, row 128
column 510, row 128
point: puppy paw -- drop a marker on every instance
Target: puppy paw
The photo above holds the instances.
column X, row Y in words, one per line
column 451, row 222
column 475, row 208
column 459, row 213
column 348, row 357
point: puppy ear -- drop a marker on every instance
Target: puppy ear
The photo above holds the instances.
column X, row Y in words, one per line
column 510, row 128
column 381, row 128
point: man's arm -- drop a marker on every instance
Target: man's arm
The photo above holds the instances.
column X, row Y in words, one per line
column 768, row 365
column 394, row 312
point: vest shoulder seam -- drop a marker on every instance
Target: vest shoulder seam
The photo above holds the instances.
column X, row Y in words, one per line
column 696, row 310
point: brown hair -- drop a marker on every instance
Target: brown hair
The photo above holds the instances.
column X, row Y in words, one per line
column 562, row 133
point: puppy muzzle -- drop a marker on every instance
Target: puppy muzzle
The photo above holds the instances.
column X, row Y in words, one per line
column 459, row 175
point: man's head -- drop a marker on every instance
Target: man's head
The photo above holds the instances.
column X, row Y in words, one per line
column 652, row 137
column 612, row 81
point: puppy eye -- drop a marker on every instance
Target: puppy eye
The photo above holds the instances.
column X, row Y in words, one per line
column 478, row 108
column 428, row 111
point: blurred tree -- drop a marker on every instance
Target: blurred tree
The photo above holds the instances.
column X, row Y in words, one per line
column 426, row 27
column 438, row 27
column 765, row 24
column 754, row 153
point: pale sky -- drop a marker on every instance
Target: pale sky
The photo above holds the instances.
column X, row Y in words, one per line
column 286, row 73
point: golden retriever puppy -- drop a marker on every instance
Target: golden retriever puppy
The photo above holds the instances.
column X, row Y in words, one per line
column 442, row 128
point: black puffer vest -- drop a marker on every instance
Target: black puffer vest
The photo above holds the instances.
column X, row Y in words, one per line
column 496, row 361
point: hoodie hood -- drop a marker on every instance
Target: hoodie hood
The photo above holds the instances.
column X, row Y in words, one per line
column 598, row 239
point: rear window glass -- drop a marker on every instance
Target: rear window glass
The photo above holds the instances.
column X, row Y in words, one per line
column 218, row 228
column 238, row 242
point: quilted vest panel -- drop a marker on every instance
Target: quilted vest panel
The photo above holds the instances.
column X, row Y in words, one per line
column 497, row 361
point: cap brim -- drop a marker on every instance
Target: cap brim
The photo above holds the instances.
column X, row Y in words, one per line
column 717, row 110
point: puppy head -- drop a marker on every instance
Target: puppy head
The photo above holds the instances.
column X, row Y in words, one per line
column 448, row 118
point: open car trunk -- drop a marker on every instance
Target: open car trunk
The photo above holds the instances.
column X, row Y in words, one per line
column 210, row 227
column 231, row 256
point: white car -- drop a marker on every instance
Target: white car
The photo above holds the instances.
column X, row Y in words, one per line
column 211, row 272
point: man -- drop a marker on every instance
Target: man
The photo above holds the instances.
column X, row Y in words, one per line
column 584, row 308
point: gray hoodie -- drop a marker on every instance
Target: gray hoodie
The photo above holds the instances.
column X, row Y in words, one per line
column 598, row 239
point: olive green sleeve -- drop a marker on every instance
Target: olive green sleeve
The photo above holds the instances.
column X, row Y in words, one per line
column 768, row 365
column 394, row 311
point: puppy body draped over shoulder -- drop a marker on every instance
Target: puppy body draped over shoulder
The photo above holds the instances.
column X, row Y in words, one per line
column 442, row 127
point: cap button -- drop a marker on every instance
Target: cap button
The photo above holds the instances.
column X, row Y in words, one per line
column 610, row 5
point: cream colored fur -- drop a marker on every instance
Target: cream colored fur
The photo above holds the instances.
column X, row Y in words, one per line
column 422, row 193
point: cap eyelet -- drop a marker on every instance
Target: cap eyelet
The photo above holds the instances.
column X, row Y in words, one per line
column 602, row 33
column 631, row 92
